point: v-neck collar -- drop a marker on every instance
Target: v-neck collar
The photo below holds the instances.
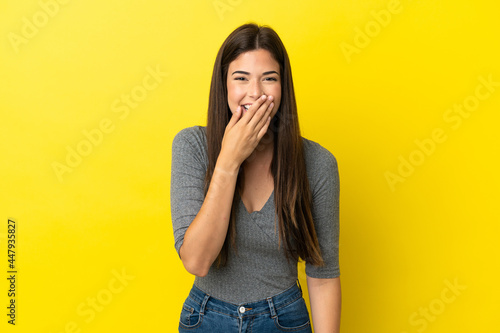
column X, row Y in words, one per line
column 271, row 197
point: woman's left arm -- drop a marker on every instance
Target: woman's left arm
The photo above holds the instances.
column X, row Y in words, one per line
column 325, row 300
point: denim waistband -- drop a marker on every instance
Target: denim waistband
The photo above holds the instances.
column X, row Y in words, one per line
column 266, row 305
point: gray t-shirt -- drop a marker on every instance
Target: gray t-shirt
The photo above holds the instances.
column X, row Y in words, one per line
column 260, row 269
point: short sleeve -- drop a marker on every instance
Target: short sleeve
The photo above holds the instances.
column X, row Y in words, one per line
column 189, row 164
column 325, row 194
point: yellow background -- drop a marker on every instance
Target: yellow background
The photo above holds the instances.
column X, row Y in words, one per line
column 399, row 245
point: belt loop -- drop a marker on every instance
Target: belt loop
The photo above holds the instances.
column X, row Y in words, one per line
column 271, row 307
column 300, row 288
column 204, row 303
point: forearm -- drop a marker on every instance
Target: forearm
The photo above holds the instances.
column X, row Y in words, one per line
column 325, row 301
column 205, row 236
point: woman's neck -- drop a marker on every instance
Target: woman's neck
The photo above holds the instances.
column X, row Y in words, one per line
column 262, row 154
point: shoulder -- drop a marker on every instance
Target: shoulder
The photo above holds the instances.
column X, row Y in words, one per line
column 194, row 136
column 321, row 167
column 190, row 144
column 317, row 157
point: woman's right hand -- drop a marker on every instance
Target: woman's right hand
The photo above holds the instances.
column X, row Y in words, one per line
column 243, row 133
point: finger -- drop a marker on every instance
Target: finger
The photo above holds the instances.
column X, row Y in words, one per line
column 268, row 112
column 254, row 108
column 260, row 113
column 263, row 130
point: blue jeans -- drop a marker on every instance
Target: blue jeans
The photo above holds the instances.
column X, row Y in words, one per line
column 284, row 312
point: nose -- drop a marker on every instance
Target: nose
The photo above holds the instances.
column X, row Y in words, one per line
column 255, row 89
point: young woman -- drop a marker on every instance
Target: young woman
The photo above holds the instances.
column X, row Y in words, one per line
column 250, row 197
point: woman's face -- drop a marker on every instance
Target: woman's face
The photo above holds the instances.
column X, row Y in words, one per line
column 250, row 75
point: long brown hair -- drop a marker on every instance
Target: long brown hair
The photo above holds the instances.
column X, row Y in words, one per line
column 293, row 199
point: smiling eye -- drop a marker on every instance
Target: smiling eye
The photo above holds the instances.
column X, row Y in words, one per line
column 239, row 78
column 271, row 79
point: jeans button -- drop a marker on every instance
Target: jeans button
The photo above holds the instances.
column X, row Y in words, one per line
column 242, row 309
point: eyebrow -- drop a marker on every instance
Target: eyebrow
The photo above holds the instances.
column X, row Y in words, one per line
column 247, row 73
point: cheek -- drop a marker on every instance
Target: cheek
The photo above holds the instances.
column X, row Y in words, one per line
column 277, row 90
column 277, row 95
column 233, row 94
